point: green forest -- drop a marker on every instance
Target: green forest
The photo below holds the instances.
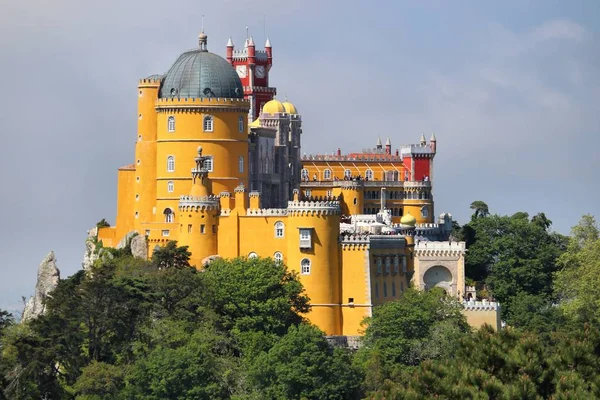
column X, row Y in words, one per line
column 160, row 329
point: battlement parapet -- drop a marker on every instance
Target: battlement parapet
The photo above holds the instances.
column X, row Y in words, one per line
column 267, row 212
column 225, row 194
column 198, row 202
column 254, row 193
column 240, row 189
column 483, row 305
column 320, row 207
column 450, row 249
column 346, row 239
column 357, row 184
column 416, row 149
column 353, row 157
column 167, row 103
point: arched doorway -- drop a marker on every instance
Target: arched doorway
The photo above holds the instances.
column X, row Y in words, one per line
column 438, row 276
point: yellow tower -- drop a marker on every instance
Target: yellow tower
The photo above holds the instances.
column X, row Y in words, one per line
column 313, row 251
column 199, row 215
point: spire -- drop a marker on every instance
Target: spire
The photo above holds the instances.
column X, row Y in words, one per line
column 423, row 139
column 388, row 142
column 202, row 38
column 251, row 41
column 230, row 42
column 268, row 43
column 432, row 137
column 379, row 143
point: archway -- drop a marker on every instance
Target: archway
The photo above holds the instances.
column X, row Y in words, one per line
column 438, row 276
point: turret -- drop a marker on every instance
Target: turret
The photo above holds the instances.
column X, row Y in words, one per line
column 422, row 141
column 269, row 51
column 432, row 142
column 230, row 51
column 199, row 215
column 251, row 51
column 379, row 146
column 388, row 146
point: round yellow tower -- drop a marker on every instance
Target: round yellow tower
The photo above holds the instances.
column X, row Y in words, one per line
column 313, row 252
column 199, row 215
column 200, row 102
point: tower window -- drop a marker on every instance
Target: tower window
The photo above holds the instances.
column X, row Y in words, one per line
column 393, row 289
column 278, row 256
column 170, row 186
column 208, row 164
column 169, row 216
column 384, row 289
column 241, row 164
column 202, row 229
column 165, row 232
column 241, row 124
column 305, row 266
column 252, row 255
column 307, row 193
column 327, row 174
column 279, row 229
column 424, row 212
column 170, row 164
column 305, row 238
column 208, row 123
column 369, row 175
column 379, row 265
column 376, row 290
column 304, row 174
column 347, row 174
column 171, row 124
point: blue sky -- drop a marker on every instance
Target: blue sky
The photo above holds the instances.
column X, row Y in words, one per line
column 511, row 89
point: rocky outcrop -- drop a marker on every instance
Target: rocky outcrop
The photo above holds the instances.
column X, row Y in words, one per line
column 126, row 240
column 207, row 260
column 47, row 280
column 139, row 247
column 91, row 254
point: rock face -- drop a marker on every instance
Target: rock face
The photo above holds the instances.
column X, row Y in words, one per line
column 47, row 280
column 139, row 247
column 90, row 254
column 126, row 240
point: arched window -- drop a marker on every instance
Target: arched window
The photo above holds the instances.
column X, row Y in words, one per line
column 424, row 212
column 327, row 174
column 369, row 175
column 171, row 124
column 241, row 124
column 279, row 229
column 278, row 256
column 393, row 289
column 209, row 164
column 169, row 216
column 347, row 174
column 384, row 289
column 305, row 266
column 208, row 123
column 241, row 164
column 252, row 255
column 170, row 186
column 304, row 174
column 170, row 164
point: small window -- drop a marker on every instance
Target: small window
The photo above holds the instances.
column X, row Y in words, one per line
column 279, row 229
column 147, row 232
column 241, row 164
column 369, row 175
column 329, row 193
column 396, row 264
column 208, row 123
column 393, row 289
column 189, row 228
column 376, row 290
column 170, row 186
column 305, row 266
column 304, row 174
column 166, row 232
column 252, row 255
column 209, row 164
column 214, row 229
column 137, row 197
column 170, row 164
column 327, row 174
column 424, row 212
column 307, row 193
column 347, row 174
column 305, row 238
column 350, row 300
column 202, row 229
column 384, row 289
column 137, row 214
column 169, row 215
column 171, row 124
column 278, row 256
column 379, row 265
column 388, row 265
column 241, row 124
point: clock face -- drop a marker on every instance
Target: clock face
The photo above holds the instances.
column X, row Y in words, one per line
column 241, row 71
column 260, row 71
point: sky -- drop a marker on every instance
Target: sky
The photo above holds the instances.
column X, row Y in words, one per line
column 511, row 90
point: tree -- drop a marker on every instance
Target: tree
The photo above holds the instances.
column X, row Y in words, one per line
column 480, row 209
column 302, row 365
column 578, row 281
column 103, row 223
column 171, row 256
column 98, row 381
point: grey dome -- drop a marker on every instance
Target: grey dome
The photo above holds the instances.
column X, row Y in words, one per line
column 198, row 73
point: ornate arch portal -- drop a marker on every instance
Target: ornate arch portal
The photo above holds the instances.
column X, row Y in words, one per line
column 438, row 276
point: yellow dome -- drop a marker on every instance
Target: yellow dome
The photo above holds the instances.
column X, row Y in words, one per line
column 290, row 108
column 273, row 107
column 408, row 220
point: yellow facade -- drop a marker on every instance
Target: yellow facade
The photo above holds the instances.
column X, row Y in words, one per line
column 188, row 184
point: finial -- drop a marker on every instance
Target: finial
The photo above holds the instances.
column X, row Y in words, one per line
column 388, row 142
column 202, row 23
column 268, row 43
column 200, row 151
column 433, row 139
column 422, row 138
column 230, row 42
column 251, row 41
column 378, row 142
column 247, row 35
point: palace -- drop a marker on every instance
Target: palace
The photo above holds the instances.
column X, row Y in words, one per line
column 218, row 168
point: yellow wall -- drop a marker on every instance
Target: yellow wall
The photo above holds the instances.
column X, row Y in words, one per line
column 356, row 168
column 355, row 284
column 198, row 229
column 477, row 318
column 125, row 202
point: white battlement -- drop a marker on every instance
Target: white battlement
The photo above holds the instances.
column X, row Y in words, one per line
column 327, row 207
column 267, row 211
column 483, row 305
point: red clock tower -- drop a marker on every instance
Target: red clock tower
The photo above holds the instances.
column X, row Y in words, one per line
column 253, row 66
